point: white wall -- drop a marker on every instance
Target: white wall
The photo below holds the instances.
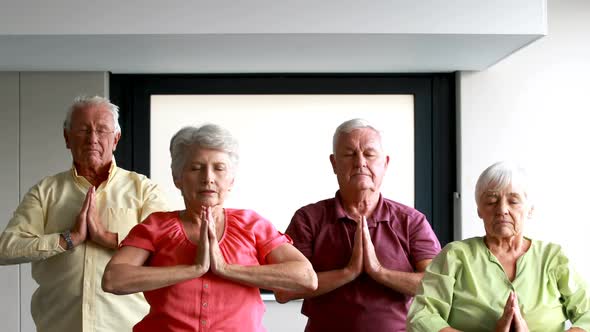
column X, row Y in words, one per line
column 9, row 192
column 32, row 108
column 533, row 108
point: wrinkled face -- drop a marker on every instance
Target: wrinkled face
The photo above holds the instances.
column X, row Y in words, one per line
column 91, row 138
column 206, row 178
column 359, row 162
column 504, row 211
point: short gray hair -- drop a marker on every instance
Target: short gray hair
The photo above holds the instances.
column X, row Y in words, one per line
column 81, row 102
column 499, row 176
column 350, row 125
column 209, row 136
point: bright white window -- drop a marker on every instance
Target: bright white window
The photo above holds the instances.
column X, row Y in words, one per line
column 285, row 143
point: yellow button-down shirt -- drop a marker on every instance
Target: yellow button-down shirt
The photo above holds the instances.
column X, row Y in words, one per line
column 69, row 297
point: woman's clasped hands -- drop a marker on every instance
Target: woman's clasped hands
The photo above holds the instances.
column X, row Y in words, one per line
column 209, row 256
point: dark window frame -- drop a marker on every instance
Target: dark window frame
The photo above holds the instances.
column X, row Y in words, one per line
column 434, row 120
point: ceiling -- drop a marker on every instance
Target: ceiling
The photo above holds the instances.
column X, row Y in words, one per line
column 258, row 53
column 265, row 36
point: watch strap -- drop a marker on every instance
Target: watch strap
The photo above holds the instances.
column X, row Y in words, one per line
column 68, row 237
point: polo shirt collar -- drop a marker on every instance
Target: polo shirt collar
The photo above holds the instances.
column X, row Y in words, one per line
column 379, row 214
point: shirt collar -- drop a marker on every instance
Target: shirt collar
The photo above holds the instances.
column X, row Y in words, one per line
column 80, row 180
column 379, row 214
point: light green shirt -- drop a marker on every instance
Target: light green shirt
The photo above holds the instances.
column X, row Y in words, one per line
column 465, row 287
column 70, row 297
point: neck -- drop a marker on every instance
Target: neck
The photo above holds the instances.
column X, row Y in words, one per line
column 94, row 175
column 195, row 215
column 361, row 203
column 515, row 244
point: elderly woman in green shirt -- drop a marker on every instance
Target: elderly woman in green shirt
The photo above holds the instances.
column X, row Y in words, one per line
column 503, row 281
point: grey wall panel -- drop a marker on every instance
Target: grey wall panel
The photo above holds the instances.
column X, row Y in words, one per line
column 45, row 96
column 9, row 193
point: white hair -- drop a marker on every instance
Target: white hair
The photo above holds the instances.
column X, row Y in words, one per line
column 81, row 102
column 348, row 126
column 499, row 176
column 209, row 136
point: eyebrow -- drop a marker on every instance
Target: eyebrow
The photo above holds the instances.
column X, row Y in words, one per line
column 496, row 194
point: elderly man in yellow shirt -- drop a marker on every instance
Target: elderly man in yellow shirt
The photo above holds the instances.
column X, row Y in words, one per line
column 70, row 224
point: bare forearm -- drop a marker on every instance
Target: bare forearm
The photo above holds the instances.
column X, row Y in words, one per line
column 294, row 276
column 123, row 279
column 403, row 282
column 107, row 240
column 576, row 329
column 327, row 282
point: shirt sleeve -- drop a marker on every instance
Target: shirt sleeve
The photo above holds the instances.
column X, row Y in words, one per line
column 154, row 201
column 574, row 292
column 300, row 231
column 24, row 239
column 423, row 242
column 432, row 304
column 144, row 235
column 268, row 238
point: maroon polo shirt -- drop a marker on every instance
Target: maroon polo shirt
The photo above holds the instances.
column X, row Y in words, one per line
column 325, row 235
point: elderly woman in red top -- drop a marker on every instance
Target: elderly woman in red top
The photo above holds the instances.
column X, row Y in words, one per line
column 200, row 268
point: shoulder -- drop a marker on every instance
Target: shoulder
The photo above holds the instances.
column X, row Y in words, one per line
column 55, row 179
column 132, row 176
column 244, row 217
column 402, row 211
column 548, row 253
column 317, row 209
column 467, row 249
column 161, row 220
column 452, row 257
column 52, row 183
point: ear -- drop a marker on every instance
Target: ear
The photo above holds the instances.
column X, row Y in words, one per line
column 386, row 161
column 177, row 183
column 333, row 162
column 66, row 138
column 231, row 185
column 117, row 138
column 479, row 214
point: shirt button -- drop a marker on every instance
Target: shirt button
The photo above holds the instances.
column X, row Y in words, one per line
column 206, row 285
column 204, row 322
column 204, row 304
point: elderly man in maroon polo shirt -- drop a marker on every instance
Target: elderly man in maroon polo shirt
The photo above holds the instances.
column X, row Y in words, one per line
column 369, row 252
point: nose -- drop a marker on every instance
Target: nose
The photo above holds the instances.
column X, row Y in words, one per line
column 92, row 135
column 502, row 207
column 208, row 175
column 360, row 160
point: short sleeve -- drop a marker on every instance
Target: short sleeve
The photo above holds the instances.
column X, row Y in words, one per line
column 300, row 231
column 574, row 292
column 431, row 306
column 423, row 242
column 268, row 238
column 145, row 234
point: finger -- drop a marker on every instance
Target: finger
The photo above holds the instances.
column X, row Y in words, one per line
column 211, row 231
column 91, row 203
column 508, row 303
column 516, row 308
column 86, row 204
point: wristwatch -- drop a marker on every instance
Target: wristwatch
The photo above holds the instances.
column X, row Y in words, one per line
column 68, row 237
